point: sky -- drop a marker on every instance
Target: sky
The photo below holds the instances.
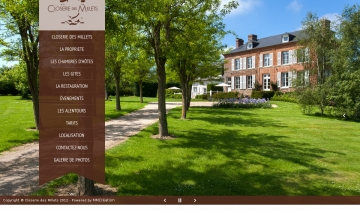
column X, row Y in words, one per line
column 265, row 18
column 271, row 17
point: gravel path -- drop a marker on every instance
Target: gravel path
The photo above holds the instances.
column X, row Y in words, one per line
column 19, row 167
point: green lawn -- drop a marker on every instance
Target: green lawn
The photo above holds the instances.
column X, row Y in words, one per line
column 17, row 118
column 128, row 104
column 276, row 151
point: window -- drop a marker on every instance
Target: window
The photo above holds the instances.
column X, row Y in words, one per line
column 249, row 62
column 302, row 78
column 237, row 64
column 237, row 82
column 285, row 57
column 249, row 82
column 285, row 79
column 249, row 46
column 285, row 38
column 266, row 82
column 303, row 55
column 229, row 81
column 266, row 60
column 204, row 90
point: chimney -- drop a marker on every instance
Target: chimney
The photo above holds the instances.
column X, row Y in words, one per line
column 326, row 23
column 239, row 42
column 252, row 37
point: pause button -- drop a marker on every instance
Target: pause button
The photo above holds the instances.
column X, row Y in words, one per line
column 179, row 200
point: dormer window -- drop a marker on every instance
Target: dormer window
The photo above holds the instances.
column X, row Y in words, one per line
column 285, row 38
column 249, row 45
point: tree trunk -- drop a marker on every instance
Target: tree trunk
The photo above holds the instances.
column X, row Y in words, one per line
column 32, row 79
column 188, row 96
column 163, row 128
column 184, row 100
column 85, row 186
column 106, row 93
column 30, row 56
column 117, row 84
column 35, row 100
column 141, row 94
column 182, row 75
column 160, row 60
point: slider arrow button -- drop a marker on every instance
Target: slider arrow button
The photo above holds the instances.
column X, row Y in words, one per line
column 194, row 200
column 164, row 200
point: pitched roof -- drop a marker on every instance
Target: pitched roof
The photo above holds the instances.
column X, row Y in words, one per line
column 269, row 41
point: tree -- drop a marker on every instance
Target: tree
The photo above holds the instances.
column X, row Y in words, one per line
column 319, row 41
column 139, row 70
column 16, row 75
column 21, row 39
column 85, row 187
column 197, row 52
column 115, row 57
column 109, row 78
column 7, row 85
column 345, row 80
column 161, row 21
column 120, row 35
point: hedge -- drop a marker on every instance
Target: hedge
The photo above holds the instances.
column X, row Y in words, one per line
column 262, row 94
column 224, row 95
column 203, row 96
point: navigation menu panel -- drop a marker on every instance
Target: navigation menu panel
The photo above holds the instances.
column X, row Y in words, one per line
column 72, row 76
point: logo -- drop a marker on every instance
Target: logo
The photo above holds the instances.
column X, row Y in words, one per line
column 73, row 11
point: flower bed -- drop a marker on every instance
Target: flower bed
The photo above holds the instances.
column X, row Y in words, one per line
column 242, row 103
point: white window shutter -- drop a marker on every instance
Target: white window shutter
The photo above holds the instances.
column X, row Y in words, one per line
column 307, row 59
column 279, row 58
column 306, row 77
column 244, row 82
column 290, row 79
column 271, row 59
column 253, row 62
column 295, row 57
column 253, row 81
column 241, row 82
column 232, row 82
column 278, row 79
column 241, row 67
column 232, row 64
column 244, row 63
column 291, row 52
column 294, row 74
column 260, row 60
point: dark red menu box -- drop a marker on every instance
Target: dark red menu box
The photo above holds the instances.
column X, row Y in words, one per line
column 72, row 76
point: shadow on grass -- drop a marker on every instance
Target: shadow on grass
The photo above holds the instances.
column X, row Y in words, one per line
column 250, row 168
column 341, row 118
column 227, row 161
column 231, row 117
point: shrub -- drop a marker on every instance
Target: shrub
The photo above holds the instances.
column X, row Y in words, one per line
column 148, row 89
column 203, row 97
column 274, row 86
column 224, row 95
column 257, row 86
column 242, row 103
column 262, row 94
column 170, row 93
column 308, row 99
column 286, row 97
